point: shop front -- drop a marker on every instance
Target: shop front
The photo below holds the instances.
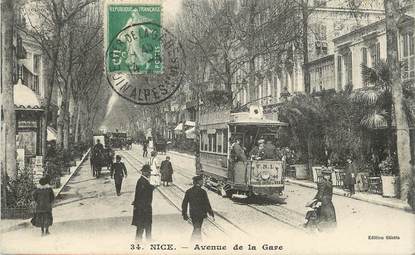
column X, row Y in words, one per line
column 28, row 125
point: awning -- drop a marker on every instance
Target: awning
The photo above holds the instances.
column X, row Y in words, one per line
column 51, row 135
column 179, row 127
column 190, row 123
column 25, row 98
column 190, row 133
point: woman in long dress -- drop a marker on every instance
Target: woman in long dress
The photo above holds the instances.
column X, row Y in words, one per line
column 154, row 163
column 43, row 197
column 326, row 213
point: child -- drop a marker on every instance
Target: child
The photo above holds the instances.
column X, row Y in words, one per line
column 43, row 196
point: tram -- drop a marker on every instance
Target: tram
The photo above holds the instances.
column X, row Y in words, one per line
column 239, row 179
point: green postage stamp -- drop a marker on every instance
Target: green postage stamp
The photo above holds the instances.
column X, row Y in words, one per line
column 134, row 38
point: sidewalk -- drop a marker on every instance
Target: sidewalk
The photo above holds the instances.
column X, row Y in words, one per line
column 366, row 197
column 14, row 224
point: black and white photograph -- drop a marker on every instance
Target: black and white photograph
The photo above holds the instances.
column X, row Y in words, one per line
column 207, row 127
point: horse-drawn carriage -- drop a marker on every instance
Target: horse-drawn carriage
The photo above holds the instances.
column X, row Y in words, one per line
column 102, row 155
column 160, row 146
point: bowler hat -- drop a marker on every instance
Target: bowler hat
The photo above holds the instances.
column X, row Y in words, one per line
column 43, row 181
column 146, row 169
column 197, row 178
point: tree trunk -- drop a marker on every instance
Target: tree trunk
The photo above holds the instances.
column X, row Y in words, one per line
column 251, row 79
column 402, row 127
column 51, row 80
column 9, row 126
column 66, row 124
column 304, row 39
column 77, row 122
column 59, row 135
column 198, row 165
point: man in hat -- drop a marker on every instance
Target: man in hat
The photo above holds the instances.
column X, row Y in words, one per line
column 142, row 214
column 258, row 151
column 118, row 172
column 199, row 206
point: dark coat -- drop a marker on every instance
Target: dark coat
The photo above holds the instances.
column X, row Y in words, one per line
column 270, row 151
column 118, row 170
column 199, row 203
column 166, row 171
column 237, row 153
column 43, row 197
column 327, row 214
column 348, row 178
column 142, row 202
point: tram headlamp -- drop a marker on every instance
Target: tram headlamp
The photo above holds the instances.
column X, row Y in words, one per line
column 265, row 175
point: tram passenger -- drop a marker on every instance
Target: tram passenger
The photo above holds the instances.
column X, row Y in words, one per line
column 199, row 203
column 258, row 151
column 118, row 172
column 237, row 151
column 270, row 151
column 236, row 158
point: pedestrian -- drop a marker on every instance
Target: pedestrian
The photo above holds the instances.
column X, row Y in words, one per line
column 350, row 177
column 166, row 171
column 326, row 212
column 118, row 172
column 154, row 164
column 43, row 196
column 145, row 152
column 142, row 213
column 199, row 203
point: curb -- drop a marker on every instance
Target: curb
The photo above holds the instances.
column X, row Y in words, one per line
column 26, row 223
column 355, row 197
column 73, row 172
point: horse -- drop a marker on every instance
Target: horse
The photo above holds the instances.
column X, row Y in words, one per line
column 97, row 162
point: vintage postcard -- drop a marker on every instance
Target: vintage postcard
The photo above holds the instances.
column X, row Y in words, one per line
column 207, row 127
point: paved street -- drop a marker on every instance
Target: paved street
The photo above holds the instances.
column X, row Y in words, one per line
column 88, row 216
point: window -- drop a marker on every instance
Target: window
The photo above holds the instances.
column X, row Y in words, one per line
column 219, row 138
column 225, row 141
column 375, row 53
column 348, row 63
column 408, row 56
column 36, row 63
column 364, row 62
column 364, row 56
column 339, row 72
column 36, row 84
column 320, row 31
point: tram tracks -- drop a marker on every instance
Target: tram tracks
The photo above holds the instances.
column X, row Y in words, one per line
column 279, row 213
column 282, row 214
column 174, row 194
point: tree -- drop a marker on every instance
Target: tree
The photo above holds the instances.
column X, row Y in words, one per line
column 306, row 116
column 48, row 25
column 393, row 15
column 7, row 92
